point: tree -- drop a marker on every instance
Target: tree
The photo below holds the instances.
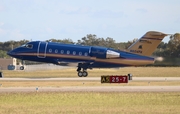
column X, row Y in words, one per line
column 174, row 45
column 162, row 50
column 162, row 45
column 66, row 41
column 90, row 39
column 93, row 40
column 3, row 54
column 9, row 45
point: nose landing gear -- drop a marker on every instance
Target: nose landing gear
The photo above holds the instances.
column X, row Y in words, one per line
column 22, row 67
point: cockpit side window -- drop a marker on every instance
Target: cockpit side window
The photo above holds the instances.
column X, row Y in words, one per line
column 23, row 45
column 30, row 46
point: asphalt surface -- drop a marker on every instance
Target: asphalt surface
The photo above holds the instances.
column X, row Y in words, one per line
column 92, row 88
column 91, row 79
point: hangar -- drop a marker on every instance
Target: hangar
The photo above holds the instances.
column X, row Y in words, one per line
column 8, row 63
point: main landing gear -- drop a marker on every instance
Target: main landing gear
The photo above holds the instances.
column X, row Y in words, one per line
column 83, row 73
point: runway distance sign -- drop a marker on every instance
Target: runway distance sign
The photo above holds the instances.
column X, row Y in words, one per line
column 114, row 79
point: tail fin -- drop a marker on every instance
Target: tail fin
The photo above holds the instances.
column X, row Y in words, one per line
column 147, row 44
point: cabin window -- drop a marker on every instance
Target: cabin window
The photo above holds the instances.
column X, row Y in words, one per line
column 74, row 52
column 56, row 51
column 80, row 53
column 50, row 50
column 68, row 52
column 62, row 51
column 86, row 54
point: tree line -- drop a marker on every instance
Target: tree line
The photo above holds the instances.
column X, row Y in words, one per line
column 169, row 49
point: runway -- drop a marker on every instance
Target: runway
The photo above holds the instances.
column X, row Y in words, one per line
column 103, row 88
column 94, row 89
column 91, row 79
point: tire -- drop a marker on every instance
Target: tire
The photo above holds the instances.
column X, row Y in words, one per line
column 85, row 74
column 21, row 67
column 80, row 74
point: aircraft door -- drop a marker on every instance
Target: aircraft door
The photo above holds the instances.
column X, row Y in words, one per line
column 41, row 51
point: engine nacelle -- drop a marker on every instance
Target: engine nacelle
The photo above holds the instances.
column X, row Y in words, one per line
column 98, row 52
column 112, row 54
column 103, row 53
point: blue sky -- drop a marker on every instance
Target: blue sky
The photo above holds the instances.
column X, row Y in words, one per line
column 122, row 20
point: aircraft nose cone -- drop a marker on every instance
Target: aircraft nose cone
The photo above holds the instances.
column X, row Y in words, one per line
column 10, row 53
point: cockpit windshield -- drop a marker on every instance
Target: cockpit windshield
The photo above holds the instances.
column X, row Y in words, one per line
column 30, row 46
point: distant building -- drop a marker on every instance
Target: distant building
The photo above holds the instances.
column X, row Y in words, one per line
column 8, row 64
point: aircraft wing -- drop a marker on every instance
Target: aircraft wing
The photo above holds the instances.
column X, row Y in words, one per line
column 70, row 63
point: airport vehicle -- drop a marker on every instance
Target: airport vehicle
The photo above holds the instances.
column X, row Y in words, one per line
column 88, row 57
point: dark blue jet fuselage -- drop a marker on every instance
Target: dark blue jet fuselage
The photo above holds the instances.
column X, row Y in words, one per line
column 78, row 55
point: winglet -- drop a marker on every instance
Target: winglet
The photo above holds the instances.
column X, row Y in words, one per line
column 147, row 44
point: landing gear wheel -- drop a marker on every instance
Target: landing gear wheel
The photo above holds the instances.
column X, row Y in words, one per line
column 80, row 74
column 85, row 74
column 21, row 67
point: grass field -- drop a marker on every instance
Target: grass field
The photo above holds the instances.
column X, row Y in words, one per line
column 136, row 71
column 89, row 103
